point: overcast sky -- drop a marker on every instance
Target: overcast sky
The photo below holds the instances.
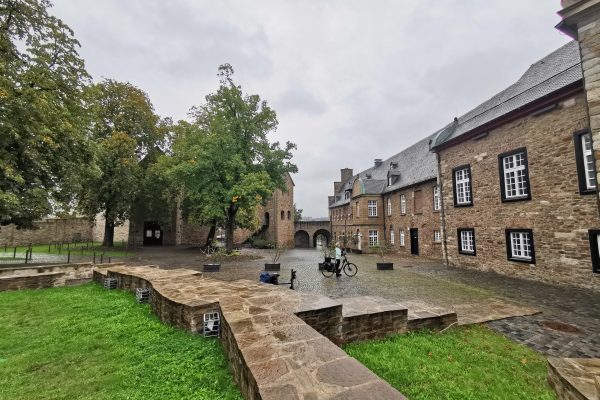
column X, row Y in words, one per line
column 350, row 81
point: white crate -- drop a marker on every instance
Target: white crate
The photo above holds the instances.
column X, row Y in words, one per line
column 212, row 324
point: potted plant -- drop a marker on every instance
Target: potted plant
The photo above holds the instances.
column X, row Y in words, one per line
column 211, row 252
column 276, row 250
column 382, row 250
column 328, row 252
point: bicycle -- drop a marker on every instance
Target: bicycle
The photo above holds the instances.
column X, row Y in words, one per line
column 273, row 279
column 329, row 269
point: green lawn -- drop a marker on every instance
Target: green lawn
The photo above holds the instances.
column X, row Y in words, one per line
column 88, row 343
column 462, row 363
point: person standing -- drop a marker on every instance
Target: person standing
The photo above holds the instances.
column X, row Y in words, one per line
column 338, row 259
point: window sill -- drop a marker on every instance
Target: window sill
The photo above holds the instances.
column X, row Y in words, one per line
column 456, row 205
column 465, row 253
column 522, row 260
column 514, row 199
column 588, row 191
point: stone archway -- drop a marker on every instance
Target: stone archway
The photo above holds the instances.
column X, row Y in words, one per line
column 321, row 237
column 301, row 239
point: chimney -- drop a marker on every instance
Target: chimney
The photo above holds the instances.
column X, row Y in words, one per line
column 336, row 187
column 378, row 162
column 346, row 174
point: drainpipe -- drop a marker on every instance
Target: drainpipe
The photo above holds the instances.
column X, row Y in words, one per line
column 442, row 211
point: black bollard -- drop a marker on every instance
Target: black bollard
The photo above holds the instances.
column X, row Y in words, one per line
column 69, row 257
column 102, row 258
column 94, row 257
column 15, row 252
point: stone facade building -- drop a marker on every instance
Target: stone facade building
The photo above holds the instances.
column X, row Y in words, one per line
column 516, row 188
column 277, row 224
column 510, row 186
column 396, row 200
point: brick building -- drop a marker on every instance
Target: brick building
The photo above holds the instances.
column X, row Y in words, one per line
column 517, row 178
column 510, row 186
column 396, row 200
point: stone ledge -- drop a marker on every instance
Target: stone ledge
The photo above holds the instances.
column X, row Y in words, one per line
column 574, row 378
column 272, row 352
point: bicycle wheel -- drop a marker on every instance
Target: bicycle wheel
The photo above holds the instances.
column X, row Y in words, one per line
column 327, row 270
column 350, row 269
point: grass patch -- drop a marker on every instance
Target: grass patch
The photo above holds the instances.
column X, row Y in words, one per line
column 84, row 342
column 463, row 363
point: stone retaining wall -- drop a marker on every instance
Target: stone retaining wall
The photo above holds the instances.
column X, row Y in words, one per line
column 48, row 231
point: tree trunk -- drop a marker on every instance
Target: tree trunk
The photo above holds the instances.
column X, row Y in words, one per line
column 211, row 234
column 109, row 233
column 229, row 227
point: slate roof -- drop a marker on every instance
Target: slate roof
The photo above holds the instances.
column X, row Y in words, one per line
column 416, row 164
column 553, row 72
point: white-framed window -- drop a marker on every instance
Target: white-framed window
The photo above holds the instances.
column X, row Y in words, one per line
column 347, row 195
column 466, row 241
column 372, row 206
column 389, row 206
column 401, row 237
column 515, row 180
column 402, row 204
column 437, row 236
column 437, row 204
column 462, row 186
column 392, row 236
column 373, row 238
column 519, row 245
column 586, row 170
column 390, row 179
column 588, row 161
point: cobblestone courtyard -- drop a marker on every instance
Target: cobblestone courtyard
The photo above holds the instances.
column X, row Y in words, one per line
column 555, row 321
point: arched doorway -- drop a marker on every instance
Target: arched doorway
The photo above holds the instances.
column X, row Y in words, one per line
column 301, row 239
column 321, row 237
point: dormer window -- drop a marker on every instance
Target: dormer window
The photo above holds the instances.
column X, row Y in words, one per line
column 393, row 165
column 368, row 176
column 347, row 195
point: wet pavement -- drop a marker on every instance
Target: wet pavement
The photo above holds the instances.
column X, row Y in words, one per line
column 568, row 325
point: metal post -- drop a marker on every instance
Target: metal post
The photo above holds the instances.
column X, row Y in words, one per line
column 69, row 257
column 15, row 252
column 49, row 250
column 109, row 260
column 26, row 256
column 94, row 257
column 102, row 258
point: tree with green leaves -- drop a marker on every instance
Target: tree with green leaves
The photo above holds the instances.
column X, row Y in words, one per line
column 223, row 161
column 128, row 131
column 297, row 213
column 43, row 117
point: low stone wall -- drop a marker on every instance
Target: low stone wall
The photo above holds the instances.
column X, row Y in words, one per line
column 46, row 276
column 37, row 281
column 273, row 353
column 575, row 378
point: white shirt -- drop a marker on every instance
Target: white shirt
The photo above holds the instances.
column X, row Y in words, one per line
column 338, row 253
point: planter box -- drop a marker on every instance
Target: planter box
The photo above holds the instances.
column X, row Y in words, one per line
column 385, row 266
column 211, row 267
column 272, row 267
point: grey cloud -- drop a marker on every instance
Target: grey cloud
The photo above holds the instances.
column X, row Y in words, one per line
column 298, row 99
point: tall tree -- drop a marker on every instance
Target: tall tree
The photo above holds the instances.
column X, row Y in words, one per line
column 43, row 116
column 223, row 160
column 129, row 131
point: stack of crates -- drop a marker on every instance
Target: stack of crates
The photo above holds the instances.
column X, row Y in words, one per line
column 142, row 295
column 111, row 283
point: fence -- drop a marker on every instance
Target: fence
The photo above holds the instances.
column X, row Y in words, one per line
column 60, row 252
